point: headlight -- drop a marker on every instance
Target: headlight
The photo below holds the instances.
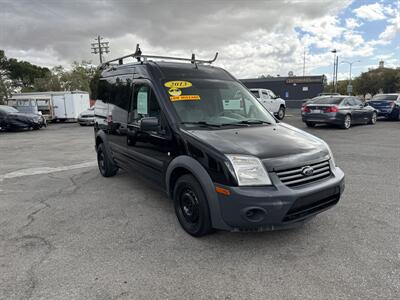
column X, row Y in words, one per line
column 330, row 154
column 249, row 170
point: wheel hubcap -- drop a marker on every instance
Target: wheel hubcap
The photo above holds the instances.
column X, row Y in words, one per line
column 347, row 122
column 189, row 205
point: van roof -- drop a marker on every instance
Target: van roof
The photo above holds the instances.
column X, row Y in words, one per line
column 170, row 70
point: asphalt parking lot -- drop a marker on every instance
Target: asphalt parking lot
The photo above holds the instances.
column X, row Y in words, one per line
column 68, row 233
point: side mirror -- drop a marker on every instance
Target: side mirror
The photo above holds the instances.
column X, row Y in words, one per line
column 149, row 124
column 366, row 104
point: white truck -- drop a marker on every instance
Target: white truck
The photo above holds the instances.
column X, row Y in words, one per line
column 271, row 102
column 57, row 106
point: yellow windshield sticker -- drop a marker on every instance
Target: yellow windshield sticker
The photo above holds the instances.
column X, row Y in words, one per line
column 184, row 98
column 174, row 91
column 178, row 84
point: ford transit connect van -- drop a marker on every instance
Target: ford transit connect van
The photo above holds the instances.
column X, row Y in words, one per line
column 221, row 157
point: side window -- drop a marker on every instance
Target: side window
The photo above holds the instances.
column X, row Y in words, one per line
column 144, row 104
column 265, row 95
column 357, row 102
column 350, row 102
column 120, row 92
column 103, row 90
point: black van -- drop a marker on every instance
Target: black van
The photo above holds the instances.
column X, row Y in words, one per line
column 201, row 136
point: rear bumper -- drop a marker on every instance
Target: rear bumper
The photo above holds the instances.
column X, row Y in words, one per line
column 278, row 206
column 388, row 113
column 323, row 118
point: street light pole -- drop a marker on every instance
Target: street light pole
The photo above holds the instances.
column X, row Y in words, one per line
column 334, row 69
column 349, row 86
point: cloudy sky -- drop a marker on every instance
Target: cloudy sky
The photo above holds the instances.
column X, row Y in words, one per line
column 252, row 37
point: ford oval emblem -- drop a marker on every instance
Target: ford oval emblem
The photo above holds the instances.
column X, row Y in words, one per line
column 307, row 171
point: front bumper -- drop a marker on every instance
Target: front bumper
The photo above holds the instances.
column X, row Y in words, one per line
column 278, row 206
column 86, row 121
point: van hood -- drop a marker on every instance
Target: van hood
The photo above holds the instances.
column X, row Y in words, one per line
column 279, row 146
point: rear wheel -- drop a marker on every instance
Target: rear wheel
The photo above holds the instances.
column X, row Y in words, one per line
column 346, row 122
column 281, row 113
column 310, row 124
column 373, row 119
column 106, row 166
column 191, row 206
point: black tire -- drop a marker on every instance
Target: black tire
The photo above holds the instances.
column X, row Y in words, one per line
column 281, row 113
column 191, row 206
column 346, row 122
column 373, row 118
column 106, row 166
column 310, row 124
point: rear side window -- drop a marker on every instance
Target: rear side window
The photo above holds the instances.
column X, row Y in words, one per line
column 255, row 93
column 385, row 97
column 120, row 91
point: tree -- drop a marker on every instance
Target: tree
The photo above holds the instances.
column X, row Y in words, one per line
column 79, row 77
column 51, row 82
column 5, row 85
column 23, row 74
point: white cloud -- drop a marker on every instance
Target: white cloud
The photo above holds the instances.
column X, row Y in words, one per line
column 389, row 33
column 371, row 12
column 352, row 23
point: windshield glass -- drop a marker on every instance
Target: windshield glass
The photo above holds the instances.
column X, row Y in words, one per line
column 215, row 103
column 272, row 94
column 326, row 100
column 8, row 109
column 385, row 97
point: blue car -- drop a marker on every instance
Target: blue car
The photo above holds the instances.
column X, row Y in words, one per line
column 387, row 105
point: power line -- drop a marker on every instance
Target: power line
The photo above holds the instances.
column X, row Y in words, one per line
column 100, row 47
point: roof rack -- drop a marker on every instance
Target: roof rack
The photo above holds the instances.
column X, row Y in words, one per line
column 138, row 55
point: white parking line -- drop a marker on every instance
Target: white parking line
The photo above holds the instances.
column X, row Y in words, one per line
column 46, row 170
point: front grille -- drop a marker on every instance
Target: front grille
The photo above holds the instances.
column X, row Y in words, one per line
column 295, row 177
column 302, row 208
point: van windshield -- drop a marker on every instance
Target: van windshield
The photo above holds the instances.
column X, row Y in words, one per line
column 215, row 103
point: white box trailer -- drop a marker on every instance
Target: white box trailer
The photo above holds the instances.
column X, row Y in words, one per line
column 58, row 106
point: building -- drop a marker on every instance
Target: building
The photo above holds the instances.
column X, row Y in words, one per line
column 293, row 89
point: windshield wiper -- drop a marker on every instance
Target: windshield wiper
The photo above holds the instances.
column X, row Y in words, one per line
column 202, row 123
column 249, row 122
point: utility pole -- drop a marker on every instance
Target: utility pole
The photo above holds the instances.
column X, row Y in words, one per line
column 100, row 47
column 349, row 86
column 304, row 62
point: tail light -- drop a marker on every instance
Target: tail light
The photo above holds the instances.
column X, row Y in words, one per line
column 332, row 109
column 305, row 109
column 109, row 118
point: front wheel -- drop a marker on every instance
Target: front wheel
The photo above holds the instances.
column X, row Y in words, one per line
column 373, row 119
column 281, row 113
column 106, row 166
column 346, row 122
column 191, row 206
